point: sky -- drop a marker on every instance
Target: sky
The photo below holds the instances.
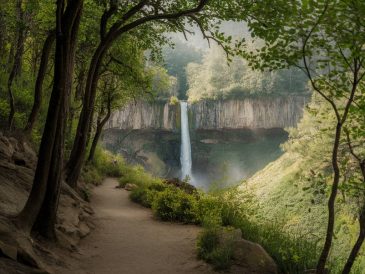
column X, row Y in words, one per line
column 237, row 29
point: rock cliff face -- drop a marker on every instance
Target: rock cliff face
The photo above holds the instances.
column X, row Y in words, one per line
column 252, row 113
column 145, row 115
column 248, row 113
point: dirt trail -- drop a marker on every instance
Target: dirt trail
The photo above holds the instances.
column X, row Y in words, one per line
column 127, row 239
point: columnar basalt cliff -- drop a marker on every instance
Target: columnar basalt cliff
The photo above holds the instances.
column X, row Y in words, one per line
column 255, row 112
column 230, row 139
column 145, row 115
column 247, row 113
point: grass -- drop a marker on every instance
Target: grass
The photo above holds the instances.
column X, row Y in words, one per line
column 292, row 251
column 103, row 165
column 213, row 249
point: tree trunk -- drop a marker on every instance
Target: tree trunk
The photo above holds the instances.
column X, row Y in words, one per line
column 77, row 156
column 321, row 266
column 99, row 129
column 39, row 82
column 357, row 246
column 47, row 180
column 360, row 239
column 2, row 33
column 17, row 64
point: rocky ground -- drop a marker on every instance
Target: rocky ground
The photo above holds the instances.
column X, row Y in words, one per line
column 127, row 238
column 17, row 165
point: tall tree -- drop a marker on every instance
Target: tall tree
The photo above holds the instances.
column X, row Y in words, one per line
column 120, row 18
column 325, row 39
column 46, row 50
column 16, row 66
column 39, row 212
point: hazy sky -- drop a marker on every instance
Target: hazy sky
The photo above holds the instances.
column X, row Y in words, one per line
column 230, row 28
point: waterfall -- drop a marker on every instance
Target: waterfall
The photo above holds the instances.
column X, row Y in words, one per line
column 185, row 152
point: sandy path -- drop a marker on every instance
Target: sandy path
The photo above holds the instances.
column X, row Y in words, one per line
column 128, row 239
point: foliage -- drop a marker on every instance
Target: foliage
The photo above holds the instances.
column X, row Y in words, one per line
column 173, row 100
column 176, row 59
column 212, row 249
column 174, row 204
column 215, row 78
column 138, row 176
column 293, row 251
column 104, row 165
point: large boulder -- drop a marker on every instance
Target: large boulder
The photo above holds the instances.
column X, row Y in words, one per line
column 247, row 257
column 130, row 187
column 251, row 258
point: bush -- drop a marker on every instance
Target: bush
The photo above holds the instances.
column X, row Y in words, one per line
column 138, row 176
column 208, row 240
column 108, row 164
column 173, row 100
column 140, row 195
column 145, row 194
column 292, row 253
column 174, row 204
column 91, row 175
column 103, row 165
column 213, row 249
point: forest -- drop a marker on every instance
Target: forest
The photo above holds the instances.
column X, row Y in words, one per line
column 195, row 136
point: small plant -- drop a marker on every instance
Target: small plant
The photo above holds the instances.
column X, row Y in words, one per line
column 173, row 101
column 138, row 176
column 215, row 249
column 208, row 241
column 174, row 204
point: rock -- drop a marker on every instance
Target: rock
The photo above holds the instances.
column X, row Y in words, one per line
column 249, row 257
column 248, row 112
column 8, row 250
column 209, row 141
column 17, row 165
column 188, row 188
column 84, row 229
column 130, row 187
column 8, row 266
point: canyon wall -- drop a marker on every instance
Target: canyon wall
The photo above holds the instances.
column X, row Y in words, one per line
column 250, row 112
column 145, row 115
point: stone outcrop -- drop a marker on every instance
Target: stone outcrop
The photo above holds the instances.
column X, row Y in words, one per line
column 246, row 113
column 253, row 113
column 17, row 166
column 145, row 115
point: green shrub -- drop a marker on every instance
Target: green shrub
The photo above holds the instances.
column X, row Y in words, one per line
column 138, row 176
column 90, row 175
column 208, row 240
column 174, row 204
column 108, row 164
column 140, row 196
column 213, row 249
column 145, row 194
column 292, row 253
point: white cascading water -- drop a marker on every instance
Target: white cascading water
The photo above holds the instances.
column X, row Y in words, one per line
column 185, row 152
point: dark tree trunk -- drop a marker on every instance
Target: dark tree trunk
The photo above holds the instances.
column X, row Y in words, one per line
column 39, row 82
column 78, row 151
column 99, row 129
column 331, row 202
column 361, row 237
column 39, row 213
column 357, row 246
column 17, row 64
column 2, row 33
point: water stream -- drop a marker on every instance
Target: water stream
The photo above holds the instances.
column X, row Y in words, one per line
column 185, row 152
